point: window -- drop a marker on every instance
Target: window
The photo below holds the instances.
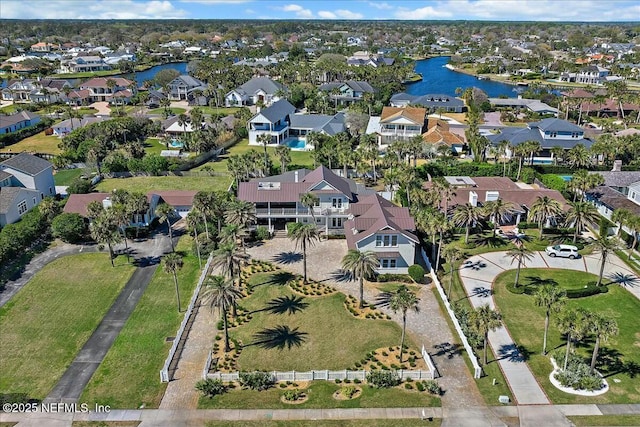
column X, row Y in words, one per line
column 387, row 240
column 388, row 263
column 553, row 135
column 336, row 222
column 336, row 203
column 22, row 207
column 35, row 201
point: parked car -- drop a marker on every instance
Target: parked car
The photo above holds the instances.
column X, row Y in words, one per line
column 563, row 251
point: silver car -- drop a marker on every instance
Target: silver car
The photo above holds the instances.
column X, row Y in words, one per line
column 563, row 251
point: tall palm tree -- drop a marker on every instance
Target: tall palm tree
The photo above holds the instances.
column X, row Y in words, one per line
column 401, row 300
column 138, row 204
column 121, row 216
column 558, row 153
column 466, row 216
column 504, row 148
column 520, row 151
column 264, row 139
column 498, row 211
column 193, row 219
column 219, row 293
column 578, row 157
column 579, row 215
column 202, row 202
column 451, row 255
column 606, row 247
column 521, row 255
column 171, row 264
column 484, row 319
column 165, row 212
column 622, row 217
column 229, row 259
column 443, row 192
column 602, row 327
column 183, row 121
column 572, row 322
column 240, row 213
column 283, row 153
column 544, row 209
column 552, row 299
column 361, row 265
column 305, row 235
column 104, row 231
column 309, row 200
column 633, row 224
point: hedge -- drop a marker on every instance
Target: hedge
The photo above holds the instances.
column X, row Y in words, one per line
column 16, row 238
column 390, row 277
column 553, row 182
column 416, row 272
column 589, row 289
column 8, row 139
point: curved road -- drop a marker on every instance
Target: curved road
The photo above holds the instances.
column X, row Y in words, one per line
column 477, row 275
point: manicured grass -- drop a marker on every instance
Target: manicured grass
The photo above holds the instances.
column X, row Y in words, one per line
column 66, row 176
column 144, row 184
column 174, row 110
column 220, row 110
column 605, row 420
column 335, row 340
column 436, row 422
column 129, row 375
column 321, row 396
column 49, row 320
column 393, row 286
column 39, row 143
column 153, row 146
column 525, row 322
column 105, row 423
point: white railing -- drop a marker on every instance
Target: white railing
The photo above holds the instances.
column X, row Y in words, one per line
column 472, row 356
column 427, row 358
column 323, row 375
column 282, row 211
column 164, row 372
column 205, row 370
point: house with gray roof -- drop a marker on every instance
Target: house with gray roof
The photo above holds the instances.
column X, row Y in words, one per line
column 25, row 180
column 183, row 86
column 549, row 133
column 533, row 105
column 431, row 102
column 345, row 93
column 17, row 121
column 258, row 90
column 368, row 221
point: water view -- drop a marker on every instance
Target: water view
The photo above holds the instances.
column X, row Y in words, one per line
column 436, row 78
column 149, row 74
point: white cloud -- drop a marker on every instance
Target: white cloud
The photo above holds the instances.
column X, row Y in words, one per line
column 427, row 12
column 347, row 14
column 381, row 6
column 325, row 14
column 249, row 11
column 98, row 9
column 299, row 11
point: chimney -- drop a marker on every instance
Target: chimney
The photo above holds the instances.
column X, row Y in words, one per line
column 473, row 198
column 295, row 174
column 617, row 166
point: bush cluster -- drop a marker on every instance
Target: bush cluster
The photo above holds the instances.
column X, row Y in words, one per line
column 293, row 395
column 211, row 387
column 256, row 380
column 390, row 277
column 577, row 375
column 416, row 272
column 16, row 238
column 383, row 379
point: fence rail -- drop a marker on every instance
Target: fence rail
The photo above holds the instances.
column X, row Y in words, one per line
column 318, row 375
column 164, row 372
column 472, row 356
column 427, row 358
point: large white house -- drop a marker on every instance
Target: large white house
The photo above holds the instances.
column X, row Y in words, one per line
column 259, row 90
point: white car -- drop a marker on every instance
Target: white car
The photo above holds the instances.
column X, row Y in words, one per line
column 563, row 251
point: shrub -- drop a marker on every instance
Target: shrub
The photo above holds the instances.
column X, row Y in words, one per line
column 79, row 186
column 420, row 386
column 282, row 385
column 256, row 380
column 211, row 387
column 416, row 272
column 357, row 381
column 383, row 379
column 338, row 381
column 408, row 386
column 293, row 395
column 220, row 325
column 349, row 391
column 577, row 375
column 262, row 233
column 68, row 227
column 527, row 175
column 388, row 277
column 553, row 182
column 432, row 387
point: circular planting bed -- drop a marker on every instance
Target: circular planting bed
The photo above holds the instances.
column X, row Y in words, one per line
column 348, row 393
column 294, row 397
column 556, row 384
column 576, row 284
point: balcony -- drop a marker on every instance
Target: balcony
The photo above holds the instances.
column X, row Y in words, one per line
column 281, row 212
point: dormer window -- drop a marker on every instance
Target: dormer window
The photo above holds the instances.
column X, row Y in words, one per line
column 387, row 240
column 553, row 135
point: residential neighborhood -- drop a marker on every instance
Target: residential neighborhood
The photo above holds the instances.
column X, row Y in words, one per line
column 361, row 214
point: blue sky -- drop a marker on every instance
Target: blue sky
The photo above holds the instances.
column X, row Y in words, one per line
column 504, row 10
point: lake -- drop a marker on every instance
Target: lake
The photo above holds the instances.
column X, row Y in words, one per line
column 436, row 79
column 142, row 76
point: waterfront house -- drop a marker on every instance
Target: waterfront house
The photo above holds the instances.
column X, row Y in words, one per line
column 185, row 87
column 396, row 124
column 347, row 92
column 432, row 102
column 101, row 89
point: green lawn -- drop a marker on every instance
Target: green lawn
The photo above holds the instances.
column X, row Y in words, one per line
column 327, row 423
column 174, row 110
column 605, row 420
column 129, row 375
column 525, row 322
column 39, row 143
column 220, row 110
column 49, row 320
column 153, row 146
column 66, row 176
column 145, row 184
column 321, row 396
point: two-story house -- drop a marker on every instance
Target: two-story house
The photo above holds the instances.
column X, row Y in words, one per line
column 432, row 102
column 17, row 121
column 345, row 93
column 549, row 133
column 183, row 87
column 108, row 89
column 33, row 90
column 84, row 64
column 621, row 190
column 258, row 90
column 25, row 180
column 397, row 124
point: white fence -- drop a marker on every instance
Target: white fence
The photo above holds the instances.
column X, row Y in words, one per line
column 472, row 356
column 321, row 375
column 164, row 372
column 432, row 367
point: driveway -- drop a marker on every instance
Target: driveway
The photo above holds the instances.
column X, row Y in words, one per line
column 477, row 275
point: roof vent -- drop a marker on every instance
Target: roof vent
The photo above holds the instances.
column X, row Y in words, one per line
column 268, row 186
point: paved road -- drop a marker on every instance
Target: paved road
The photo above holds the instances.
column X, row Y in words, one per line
column 478, row 274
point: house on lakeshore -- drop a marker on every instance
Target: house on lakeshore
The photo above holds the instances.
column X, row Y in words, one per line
column 432, row 102
column 347, row 92
column 396, row 123
column 108, row 89
column 258, row 90
column 368, row 221
column 549, row 133
column 185, row 87
column 25, row 180
column 533, row 105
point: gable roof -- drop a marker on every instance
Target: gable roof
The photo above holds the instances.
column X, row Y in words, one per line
column 102, row 82
column 188, row 80
column 77, row 203
column 555, row 125
column 277, row 111
column 261, row 83
column 8, row 196
column 12, row 119
column 322, row 173
column 439, row 133
column 619, row 178
column 26, row 163
column 356, row 86
column 416, row 115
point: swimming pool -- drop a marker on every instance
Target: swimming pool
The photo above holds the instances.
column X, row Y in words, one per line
column 174, row 143
column 566, row 177
column 296, row 144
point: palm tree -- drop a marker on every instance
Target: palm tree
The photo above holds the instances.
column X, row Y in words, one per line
column 192, row 219
column 544, row 209
column 504, row 147
column 49, row 209
column 521, row 255
column 283, row 153
column 572, row 322
column 633, row 224
column 183, row 121
column 122, row 218
column 305, row 235
column 229, row 259
column 533, row 147
column 264, row 139
column 240, row 213
column 552, row 299
column 578, row 157
column 165, row 211
column 105, row 231
column 603, row 327
column 443, row 191
column 622, row 217
column 498, row 211
column 484, row 319
column 137, row 204
column 220, row 294
column 558, row 153
column 451, row 255
column 171, row 264
column 309, row 200
column 466, row 216
column 361, row 265
column 202, row 202
column 520, row 151
column 401, row 300
column 605, row 246
column 579, row 215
